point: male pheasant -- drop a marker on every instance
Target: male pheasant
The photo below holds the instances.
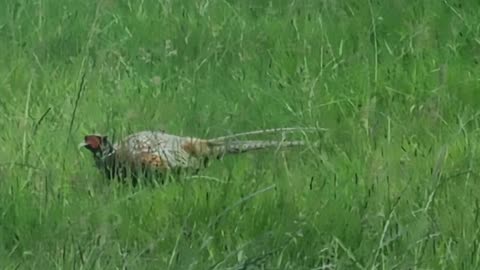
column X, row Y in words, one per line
column 158, row 151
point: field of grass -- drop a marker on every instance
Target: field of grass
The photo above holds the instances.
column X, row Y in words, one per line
column 394, row 183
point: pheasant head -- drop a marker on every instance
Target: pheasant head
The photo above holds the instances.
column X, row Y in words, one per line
column 101, row 148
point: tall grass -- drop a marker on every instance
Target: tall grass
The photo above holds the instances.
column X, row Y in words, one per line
column 394, row 184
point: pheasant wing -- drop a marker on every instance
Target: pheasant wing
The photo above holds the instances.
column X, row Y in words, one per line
column 158, row 150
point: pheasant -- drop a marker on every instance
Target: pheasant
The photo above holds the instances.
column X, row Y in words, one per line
column 158, row 151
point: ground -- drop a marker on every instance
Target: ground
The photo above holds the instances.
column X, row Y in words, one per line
column 393, row 183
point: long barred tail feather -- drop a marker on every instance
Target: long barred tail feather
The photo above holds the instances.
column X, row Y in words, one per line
column 237, row 147
column 266, row 131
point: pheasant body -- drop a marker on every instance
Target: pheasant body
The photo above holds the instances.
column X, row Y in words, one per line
column 162, row 152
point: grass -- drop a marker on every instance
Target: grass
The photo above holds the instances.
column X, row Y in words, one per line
column 394, row 184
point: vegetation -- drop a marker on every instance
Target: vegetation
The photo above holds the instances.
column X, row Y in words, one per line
column 393, row 185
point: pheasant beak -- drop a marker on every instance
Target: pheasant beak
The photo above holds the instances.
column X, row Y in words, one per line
column 82, row 144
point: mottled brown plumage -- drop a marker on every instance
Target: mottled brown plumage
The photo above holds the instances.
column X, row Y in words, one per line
column 158, row 151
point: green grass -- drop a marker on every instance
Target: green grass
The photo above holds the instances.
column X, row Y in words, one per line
column 394, row 184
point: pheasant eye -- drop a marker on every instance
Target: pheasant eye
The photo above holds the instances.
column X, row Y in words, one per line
column 93, row 142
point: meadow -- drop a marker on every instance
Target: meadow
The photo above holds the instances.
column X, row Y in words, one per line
column 392, row 185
